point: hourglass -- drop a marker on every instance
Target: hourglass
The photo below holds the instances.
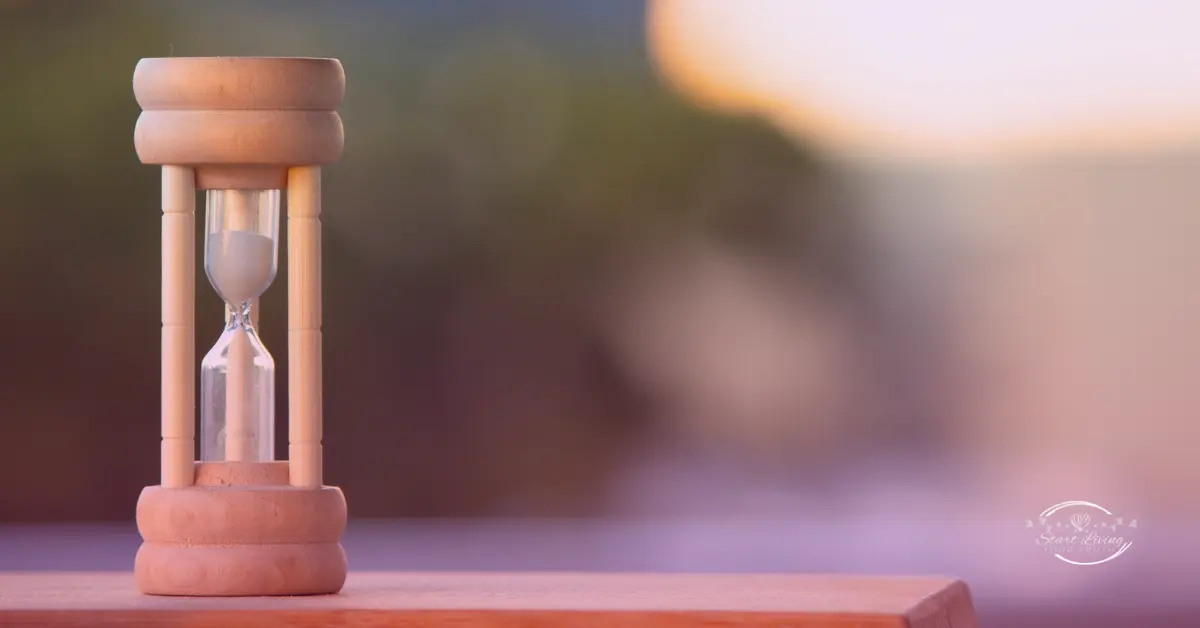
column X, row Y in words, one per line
column 237, row 377
column 237, row 522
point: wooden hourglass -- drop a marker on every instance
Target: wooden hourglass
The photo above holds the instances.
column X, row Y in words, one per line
column 237, row 522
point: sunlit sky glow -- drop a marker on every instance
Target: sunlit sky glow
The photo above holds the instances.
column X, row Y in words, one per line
column 939, row 78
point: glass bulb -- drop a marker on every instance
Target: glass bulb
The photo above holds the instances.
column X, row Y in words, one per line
column 237, row 376
column 241, row 242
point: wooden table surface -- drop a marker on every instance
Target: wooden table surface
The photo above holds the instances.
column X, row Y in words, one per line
column 510, row 599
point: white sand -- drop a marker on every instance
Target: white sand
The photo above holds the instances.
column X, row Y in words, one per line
column 240, row 264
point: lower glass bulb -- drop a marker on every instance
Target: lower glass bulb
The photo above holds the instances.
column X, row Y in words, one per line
column 237, row 398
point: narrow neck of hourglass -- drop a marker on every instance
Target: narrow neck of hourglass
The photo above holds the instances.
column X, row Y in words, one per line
column 238, row 315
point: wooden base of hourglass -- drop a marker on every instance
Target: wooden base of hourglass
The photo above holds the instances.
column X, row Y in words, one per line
column 241, row 530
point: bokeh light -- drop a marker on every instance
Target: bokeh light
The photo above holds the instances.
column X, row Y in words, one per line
column 940, row 80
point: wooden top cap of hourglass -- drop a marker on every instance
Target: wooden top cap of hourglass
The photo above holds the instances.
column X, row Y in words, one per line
column 238, row 116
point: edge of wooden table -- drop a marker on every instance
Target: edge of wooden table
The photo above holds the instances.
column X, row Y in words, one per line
column 510, row 599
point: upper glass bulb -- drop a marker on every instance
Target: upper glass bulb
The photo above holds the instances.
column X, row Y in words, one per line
column 241, row 243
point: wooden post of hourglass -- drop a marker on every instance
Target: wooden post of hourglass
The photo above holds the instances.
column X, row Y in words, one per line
column 304, row 326
column 178, row 326
column 241, row 442
column 239, row 525
column 241, row 438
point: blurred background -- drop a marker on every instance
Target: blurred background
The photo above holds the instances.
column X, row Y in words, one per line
column 763, row 285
